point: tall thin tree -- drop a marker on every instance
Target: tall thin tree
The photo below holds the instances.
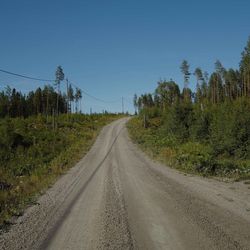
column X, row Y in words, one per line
column 59, row 78
column 185, row 71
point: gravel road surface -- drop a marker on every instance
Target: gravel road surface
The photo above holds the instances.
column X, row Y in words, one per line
column 118, row 198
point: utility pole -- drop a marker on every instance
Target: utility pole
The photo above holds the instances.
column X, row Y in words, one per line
column 67, row 85
column 47, row 106
column 144, row 121
column 122, row 106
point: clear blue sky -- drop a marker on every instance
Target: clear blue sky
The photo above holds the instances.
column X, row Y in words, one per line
column 118, row 48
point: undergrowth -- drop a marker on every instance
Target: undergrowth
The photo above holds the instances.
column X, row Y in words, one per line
column 33, row 155
column 190, row 156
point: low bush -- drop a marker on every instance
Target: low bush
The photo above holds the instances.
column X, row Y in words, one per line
column 194, row 156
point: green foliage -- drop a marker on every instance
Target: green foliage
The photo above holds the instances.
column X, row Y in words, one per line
column 41, row 101
column 193, row 156
column 178, row 120
column 200, row 125
column 230, row 129
column 32, row 154
column 207, row 131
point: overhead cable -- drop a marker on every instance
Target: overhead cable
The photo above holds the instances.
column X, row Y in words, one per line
column 27, row 77
column 93, row 97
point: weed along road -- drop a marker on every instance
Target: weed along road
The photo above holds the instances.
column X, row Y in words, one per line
column 117, row 198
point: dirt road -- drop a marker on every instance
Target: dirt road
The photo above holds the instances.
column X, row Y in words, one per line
column 117, row 198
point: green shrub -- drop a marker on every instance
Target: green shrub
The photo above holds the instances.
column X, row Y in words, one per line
column 196, row 157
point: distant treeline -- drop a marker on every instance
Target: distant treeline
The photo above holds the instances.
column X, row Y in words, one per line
column 47, row 101
column 41, row 101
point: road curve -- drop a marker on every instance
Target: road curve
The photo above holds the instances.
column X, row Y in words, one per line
column 117, row 198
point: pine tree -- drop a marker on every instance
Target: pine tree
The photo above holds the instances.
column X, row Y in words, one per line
column 245, row 69
column 185, row 71
column 59, row 78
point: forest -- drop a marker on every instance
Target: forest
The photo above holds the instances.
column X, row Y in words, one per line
column 46, row 101
column 205, row 131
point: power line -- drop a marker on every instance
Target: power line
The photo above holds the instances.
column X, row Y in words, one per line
column 49, row 80
column 93, row 97
column 26, row 77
